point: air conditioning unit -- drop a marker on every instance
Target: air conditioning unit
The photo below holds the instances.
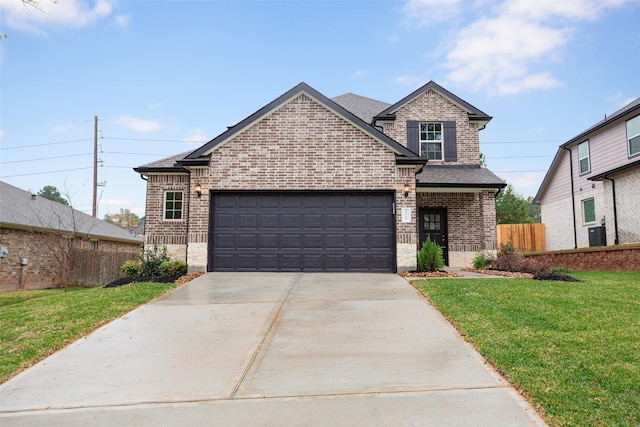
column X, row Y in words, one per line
column 597, row 236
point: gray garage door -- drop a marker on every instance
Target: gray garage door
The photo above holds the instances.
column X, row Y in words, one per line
column 302, row 231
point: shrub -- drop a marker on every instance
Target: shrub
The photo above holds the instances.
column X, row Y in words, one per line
column 430, row 256
column 173, row 267
column 131, row 268
column 480, row 261
column 151, row 259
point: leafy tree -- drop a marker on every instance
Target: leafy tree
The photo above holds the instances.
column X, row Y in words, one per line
column 52, row 193
column 512, row 208
column 125, row 219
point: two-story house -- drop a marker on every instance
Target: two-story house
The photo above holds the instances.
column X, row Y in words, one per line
column 309, row 183
column 591, row 193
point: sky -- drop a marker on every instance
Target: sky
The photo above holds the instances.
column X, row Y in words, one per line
column 164, row 77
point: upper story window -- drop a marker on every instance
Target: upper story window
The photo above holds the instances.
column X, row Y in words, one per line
column 633, row 135
column 583, row 157
column 431, row 140
column 173, row 205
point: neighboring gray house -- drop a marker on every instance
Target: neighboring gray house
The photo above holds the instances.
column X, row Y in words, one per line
column 309, row 183
column 34, row 231
column 591, row 193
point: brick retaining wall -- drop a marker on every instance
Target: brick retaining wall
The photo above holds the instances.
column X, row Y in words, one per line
column 587, row 259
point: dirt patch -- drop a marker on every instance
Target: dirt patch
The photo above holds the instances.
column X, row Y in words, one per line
column 156, row 279
column 189, row 276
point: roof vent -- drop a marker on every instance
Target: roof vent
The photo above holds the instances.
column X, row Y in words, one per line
column 33, row 197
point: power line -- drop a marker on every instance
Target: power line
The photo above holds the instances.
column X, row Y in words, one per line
column 47, row 172
column 42, row 145
column 519, row 157
column 523, row 142
column 44, row 158
column 135, row 154
column 533, row 170
column 155, row 140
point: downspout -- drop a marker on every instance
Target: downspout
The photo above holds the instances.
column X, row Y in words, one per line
column 573, row 200
column 615, row 210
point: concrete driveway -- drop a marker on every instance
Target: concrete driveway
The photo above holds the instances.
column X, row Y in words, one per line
column 278, row 349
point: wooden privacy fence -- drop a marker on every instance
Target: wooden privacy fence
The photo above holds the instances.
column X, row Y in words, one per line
column 96, row 268
column 525, row 237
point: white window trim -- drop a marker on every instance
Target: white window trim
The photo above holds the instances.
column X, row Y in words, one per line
column 420, row 140
column 164, row 206
column 588, row 157
column 584, row 220
column 630, row 137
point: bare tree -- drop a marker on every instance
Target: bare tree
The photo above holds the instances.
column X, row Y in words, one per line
column 65, row 231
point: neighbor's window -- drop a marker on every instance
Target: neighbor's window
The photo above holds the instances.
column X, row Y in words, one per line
column 633, row 135
column 588, row 211
column 431, row 140
column 93, row 245
column 173, row 205
column 583, row 157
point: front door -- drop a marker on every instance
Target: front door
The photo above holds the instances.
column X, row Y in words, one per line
column 433, row 223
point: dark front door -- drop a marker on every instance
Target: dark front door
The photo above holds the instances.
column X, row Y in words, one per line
column 302, row 231
column 433, row 223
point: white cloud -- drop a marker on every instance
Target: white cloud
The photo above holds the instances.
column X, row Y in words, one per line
column 425, row 12
column 525, row 180
column 1, row 133
column 113, row 205
column 619, row 100
column 123, row 20
column 134, row 123
column 507, row 50
column 154, row 106
column 393, row 38
column 73, row 13
column 359, row 73
column 196, row 136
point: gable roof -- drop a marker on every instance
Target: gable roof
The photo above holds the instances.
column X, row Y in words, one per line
column 474, row 113
column 458, row 176
column 582, row 136
column 630, row 107
column 361, row 106
column 21, row 209
column 199, row 155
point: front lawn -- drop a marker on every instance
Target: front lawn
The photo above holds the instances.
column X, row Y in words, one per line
column 36, row 323
column 573, row 348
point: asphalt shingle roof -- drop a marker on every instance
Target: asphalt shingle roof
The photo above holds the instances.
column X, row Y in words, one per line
column 361, row 106
column 458, row 176
column 19, row 209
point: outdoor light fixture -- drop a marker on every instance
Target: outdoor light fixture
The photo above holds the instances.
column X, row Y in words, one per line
column 406, row 189
column 199, row 190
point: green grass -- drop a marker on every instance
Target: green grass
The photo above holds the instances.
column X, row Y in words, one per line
column 36, row 323
column 572, row 348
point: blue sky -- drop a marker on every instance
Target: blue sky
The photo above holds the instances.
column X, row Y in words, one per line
column 166, row 76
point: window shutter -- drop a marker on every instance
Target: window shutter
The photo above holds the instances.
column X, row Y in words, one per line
column 413, row 136
column 450, row 142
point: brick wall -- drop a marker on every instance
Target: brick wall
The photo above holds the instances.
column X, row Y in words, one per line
column 589, row 259
column 42, row 269
column 627, row 205
column 157, row 230
column 431, row 106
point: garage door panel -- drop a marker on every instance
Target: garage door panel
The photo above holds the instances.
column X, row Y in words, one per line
column 246, row 221
column 246, row 241
column 268, row 221
column 290, row 241
column 380, row 220
column 268, row 240
column 302, row 231
column 333, row 220
column 290, row 221
column 222, row 221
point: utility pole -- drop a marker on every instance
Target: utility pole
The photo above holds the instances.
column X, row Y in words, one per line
column 95, row 166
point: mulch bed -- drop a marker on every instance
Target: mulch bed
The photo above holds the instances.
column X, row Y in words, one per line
column 156, row 279
column 429, row 274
